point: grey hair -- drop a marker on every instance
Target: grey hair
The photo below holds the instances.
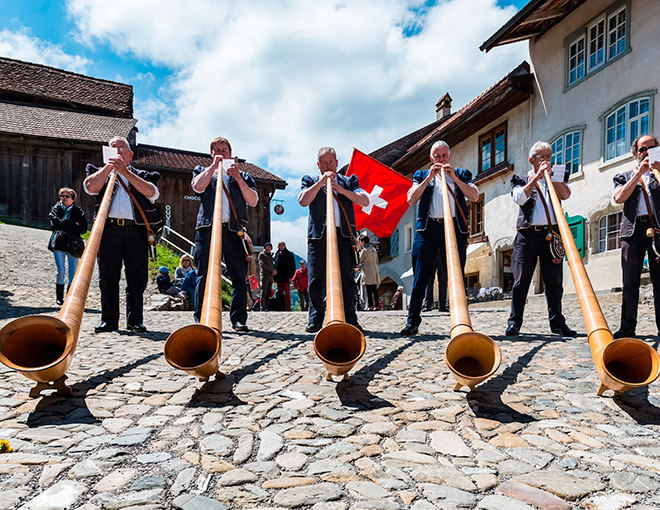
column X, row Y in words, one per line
column 120, row 139
column 438, row 144
column 538, row 147
column 326, row 150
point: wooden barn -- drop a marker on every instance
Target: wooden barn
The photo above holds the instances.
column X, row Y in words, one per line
column 53, row 122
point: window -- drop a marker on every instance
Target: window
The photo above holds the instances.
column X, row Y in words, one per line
column 492, row 148
column 625, row 123
column 408, row 238
column 566, row 150
column 598, row 43
column 576, row 61
column 608, row 232
column 476, row 217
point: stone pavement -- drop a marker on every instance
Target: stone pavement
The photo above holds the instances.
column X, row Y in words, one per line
column 276, row 434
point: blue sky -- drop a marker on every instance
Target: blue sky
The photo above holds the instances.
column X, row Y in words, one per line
column 278, row 79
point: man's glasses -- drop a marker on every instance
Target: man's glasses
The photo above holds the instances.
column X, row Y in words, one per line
column 642, row 149
column 65, row 196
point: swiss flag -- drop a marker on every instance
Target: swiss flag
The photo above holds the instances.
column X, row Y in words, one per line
column 387, row 192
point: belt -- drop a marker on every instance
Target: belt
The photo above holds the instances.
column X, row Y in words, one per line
column 541, row 228
column 644, row 218
column 437, row 220
column 121, row 222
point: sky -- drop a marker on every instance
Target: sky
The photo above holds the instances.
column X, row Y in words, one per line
column 278, row 79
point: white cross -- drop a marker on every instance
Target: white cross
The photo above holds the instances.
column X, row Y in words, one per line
column 375, row 200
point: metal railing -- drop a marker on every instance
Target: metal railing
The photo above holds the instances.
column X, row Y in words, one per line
column 167, row 231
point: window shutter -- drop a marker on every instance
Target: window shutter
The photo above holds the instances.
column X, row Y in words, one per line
column 577, row 224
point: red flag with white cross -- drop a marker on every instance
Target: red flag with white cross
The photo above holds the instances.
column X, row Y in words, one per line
column 387, row 192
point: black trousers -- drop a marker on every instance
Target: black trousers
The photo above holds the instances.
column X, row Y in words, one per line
column 125, row 246
column 234, row 256
column 316, row 266
column 529, row 247
column 372, row 296
column 442, row 286
column 633, row 249
column 429, row 246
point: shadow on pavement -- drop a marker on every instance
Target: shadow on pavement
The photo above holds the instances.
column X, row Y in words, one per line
column 636, row 404
column 220, row 392
column 56, row 409
column 354, row 393
column 486, row 400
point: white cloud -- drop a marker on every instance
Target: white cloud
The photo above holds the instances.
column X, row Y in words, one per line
column 281, row 79
column 21, row 46
column 294, row 233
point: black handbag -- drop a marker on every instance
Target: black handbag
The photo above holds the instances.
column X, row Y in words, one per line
column 59, row 241
column 76, row 247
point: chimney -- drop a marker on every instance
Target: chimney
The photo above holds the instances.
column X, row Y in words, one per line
column 443, row 107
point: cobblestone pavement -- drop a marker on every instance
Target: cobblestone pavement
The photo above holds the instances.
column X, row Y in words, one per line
column 276, row 434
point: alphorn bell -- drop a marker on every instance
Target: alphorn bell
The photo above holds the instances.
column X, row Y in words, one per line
column 622, row 364
column 472, row 357
column 41, row 347
column 196, row 348
column 339, row 345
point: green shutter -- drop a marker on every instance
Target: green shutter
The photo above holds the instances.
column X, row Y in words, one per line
column 577, row 224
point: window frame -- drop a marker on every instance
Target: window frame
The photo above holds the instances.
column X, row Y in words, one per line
column 625, row 105
column 584, row 33
column 473, row 209
column 562, row 134
column 491, row 134
column 408, row 238
column 605, row 228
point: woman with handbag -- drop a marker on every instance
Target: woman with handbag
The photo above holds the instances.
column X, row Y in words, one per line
column 68, row 222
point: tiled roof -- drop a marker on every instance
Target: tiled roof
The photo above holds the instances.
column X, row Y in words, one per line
column 35, row 83
column 152, row 156
column 51, row 123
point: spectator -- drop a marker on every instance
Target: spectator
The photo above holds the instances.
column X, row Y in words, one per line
column 185, row 266
column 300, row 283
column 266, row 272
column 67, row 221
column 369, row 266
column 285, row 267
column 397, row 299
column 165, row 285
column 188, row 287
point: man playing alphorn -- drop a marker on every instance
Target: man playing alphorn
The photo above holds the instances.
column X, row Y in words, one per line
column 313, row 194
column 243, row 193
column 427, row 189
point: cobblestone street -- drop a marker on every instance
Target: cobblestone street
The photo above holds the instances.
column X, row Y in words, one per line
column 276, row 434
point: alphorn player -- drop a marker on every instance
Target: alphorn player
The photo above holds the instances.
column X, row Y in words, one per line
column 429, row 243
column 531, row 244
column 638, row 190
column 313, row 195
column 124, row 236
column 243, row 193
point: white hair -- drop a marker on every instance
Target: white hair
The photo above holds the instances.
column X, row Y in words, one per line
column 438, row 144
column 120, row 139
column 326, row 150
column 538, row 147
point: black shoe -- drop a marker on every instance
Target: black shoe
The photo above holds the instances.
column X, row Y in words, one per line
column 625, row 333
column 443, row 309
column 427, row 308
column 240, row 327
column 104, row 327
column 512, row 330
column 136, row 328
column 564, row 330
column 410, row 330
column 313, row 328
column 358, row 326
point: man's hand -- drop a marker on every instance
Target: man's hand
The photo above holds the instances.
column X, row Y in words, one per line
column 274, row 272
column 233, row 171
column 120, row 165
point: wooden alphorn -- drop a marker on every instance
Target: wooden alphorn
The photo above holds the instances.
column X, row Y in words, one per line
column 196, row 348
column 339, row 345
column 472, row 357
column 41, row 347
column 624, row 363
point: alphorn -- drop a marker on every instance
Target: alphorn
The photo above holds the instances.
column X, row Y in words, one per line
column 339, row 345
column 472, row 357
column 41, row 347
column 622, row 364
column 196, row 348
